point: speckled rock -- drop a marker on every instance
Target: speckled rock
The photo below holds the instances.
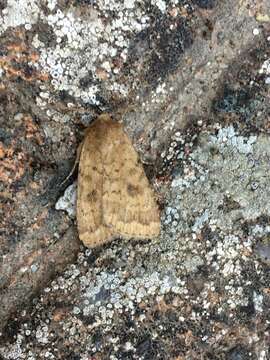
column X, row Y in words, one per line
column 190, row 81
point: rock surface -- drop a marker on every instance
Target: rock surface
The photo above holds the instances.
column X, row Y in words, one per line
column 190, row 81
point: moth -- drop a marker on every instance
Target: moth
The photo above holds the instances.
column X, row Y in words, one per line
column 115, row 199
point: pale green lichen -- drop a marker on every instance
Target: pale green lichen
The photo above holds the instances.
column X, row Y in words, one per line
column 144, row 273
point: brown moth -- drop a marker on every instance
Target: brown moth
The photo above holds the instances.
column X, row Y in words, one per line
column 114, row 195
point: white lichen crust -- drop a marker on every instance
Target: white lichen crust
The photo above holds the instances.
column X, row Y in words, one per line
column 211, row 197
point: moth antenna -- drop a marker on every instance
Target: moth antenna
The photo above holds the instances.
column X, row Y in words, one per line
column 76, row 163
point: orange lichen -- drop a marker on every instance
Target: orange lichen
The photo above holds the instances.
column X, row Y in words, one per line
column 2, row 150
column 12, row 167
column 32, row 130
column 19, row 54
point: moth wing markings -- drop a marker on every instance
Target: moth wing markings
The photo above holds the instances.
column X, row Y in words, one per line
column 129, row 205
column 92, row 231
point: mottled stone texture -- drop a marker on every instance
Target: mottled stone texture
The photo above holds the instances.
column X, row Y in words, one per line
column 189, row 79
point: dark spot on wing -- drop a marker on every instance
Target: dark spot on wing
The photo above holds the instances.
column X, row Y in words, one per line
column 133, row 190
column 92, row 196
